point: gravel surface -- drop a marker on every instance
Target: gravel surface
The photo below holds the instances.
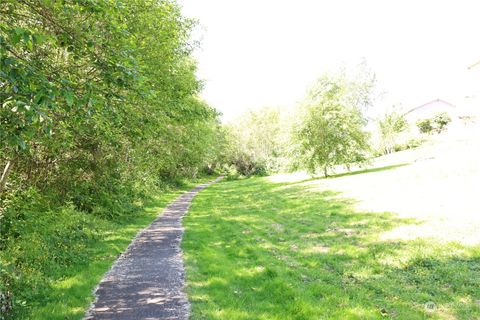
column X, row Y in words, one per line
column 148, row 280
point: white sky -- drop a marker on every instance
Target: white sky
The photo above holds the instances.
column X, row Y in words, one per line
column 258, row 53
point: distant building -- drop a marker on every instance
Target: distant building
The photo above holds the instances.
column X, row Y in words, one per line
column 463, row 115
column 430, row 109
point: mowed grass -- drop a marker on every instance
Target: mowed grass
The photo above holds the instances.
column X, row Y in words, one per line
column 61, row 292
column 255, row 249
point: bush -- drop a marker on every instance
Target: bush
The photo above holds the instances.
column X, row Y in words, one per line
column 441, row 121
column 437, row 124
column 261, row 170
column 38, row 242
column 230, row 172
column 425, row 126
column 410, row 144
column 256, row 142
column 390, row 126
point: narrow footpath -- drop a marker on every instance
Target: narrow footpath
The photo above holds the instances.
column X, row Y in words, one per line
column 148, row 280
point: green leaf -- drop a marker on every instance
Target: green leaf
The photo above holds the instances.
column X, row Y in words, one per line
column 22, row 144
column 69, row 98
column 39, row 38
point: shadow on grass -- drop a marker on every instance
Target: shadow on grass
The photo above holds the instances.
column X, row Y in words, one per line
column 256, row 251
column 370, row 170
column 350, row 173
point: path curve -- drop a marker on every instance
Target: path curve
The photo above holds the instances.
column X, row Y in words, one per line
column 148, row 279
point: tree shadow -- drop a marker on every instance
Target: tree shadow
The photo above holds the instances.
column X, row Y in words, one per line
column 370, row 170
column 349, row 173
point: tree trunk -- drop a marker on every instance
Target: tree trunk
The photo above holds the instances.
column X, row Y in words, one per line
column 325, row 173
column 5, row 174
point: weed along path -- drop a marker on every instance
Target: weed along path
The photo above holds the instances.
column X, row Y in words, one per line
column 147, row 281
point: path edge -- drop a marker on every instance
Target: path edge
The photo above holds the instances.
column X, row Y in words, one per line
column 198, row 188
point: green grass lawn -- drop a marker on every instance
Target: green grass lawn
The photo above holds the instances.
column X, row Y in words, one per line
column 255, row 249
column 53, row 289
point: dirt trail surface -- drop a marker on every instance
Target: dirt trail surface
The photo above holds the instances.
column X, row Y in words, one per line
column 147, row 281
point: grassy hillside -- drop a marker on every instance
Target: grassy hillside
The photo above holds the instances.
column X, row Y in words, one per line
column 256, row 249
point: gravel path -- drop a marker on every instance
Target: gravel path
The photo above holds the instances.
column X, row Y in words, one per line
column 148, row 279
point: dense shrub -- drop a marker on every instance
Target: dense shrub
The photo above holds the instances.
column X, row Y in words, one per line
column 437, row 124
column 254, row 142
column 441, row 121
column 425, row 126
column 390, row 126
column 39, row 241
column 410, row 144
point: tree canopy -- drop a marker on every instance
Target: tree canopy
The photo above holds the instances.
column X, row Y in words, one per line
column 92, row 91
column 331, row 130
column 390, row 125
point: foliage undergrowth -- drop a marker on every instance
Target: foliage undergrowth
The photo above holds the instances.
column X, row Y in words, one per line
column 52, row 257
column 261, row 250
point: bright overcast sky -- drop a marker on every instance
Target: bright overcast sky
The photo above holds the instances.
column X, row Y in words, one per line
column 258, row 53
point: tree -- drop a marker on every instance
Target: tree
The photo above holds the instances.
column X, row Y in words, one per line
column 99, row 98
column 390, row 126
column 441, row 121
column 256, row 146
column 92, row 91
column 331, row 130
